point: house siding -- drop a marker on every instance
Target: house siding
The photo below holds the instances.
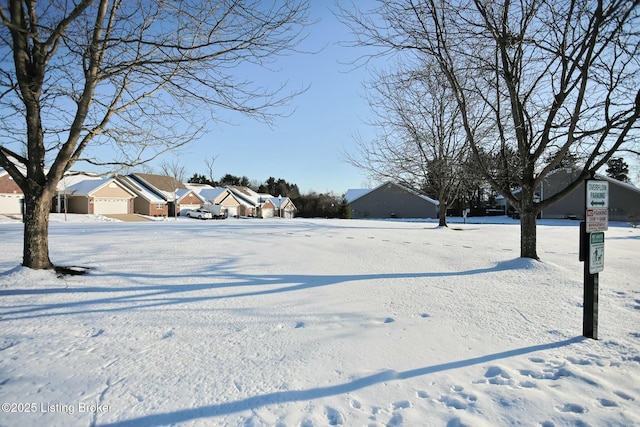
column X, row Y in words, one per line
column 79, row 204
column 190, row 201
column 10, row 196
column 624, row 200
column 392, row 201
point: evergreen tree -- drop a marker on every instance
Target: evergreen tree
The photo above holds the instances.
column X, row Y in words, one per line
column 345, row 209
column 618, row 169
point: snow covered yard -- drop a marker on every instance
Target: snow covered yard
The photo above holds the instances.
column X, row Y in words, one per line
column 314, row 323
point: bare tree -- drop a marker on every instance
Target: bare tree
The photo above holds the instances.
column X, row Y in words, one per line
column 210, row 162
column 139, row 77
column 419, row 142
column 174, row 169
column 540, row 77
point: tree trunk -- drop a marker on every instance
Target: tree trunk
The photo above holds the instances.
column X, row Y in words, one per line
column 528, row 213
column 36, row 232
column 442, row 215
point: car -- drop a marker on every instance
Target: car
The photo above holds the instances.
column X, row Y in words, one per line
column 200, row 214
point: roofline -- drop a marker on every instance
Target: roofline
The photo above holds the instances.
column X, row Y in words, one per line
column 415, row 193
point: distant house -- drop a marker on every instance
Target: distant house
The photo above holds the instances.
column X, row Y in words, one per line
column 221, row 196
column 284, row 207
column 147, row 201
column 161, row 195
column 99, row 196
column 11, row 196
column 390, row 200
column 624, row 199
column 186, row 200
column 262, row 205
column 62, row 189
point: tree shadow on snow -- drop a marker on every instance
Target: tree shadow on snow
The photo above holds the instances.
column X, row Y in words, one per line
column 216, row 279
column 288, row 396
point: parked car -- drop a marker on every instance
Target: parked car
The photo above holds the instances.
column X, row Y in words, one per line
column 200, row 214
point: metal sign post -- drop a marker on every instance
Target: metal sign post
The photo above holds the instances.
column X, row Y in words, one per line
column 592, row 250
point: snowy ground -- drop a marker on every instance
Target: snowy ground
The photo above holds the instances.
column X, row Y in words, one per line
column 314, row 323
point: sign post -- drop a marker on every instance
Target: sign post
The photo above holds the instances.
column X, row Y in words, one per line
column 592, row 250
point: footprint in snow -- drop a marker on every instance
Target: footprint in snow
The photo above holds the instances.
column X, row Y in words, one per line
column 334, row 417
column 608, row 403
column 573, row 408
column 401, row 404
column 623, row 395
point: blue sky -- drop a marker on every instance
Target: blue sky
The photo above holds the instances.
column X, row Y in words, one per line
column 306, row 147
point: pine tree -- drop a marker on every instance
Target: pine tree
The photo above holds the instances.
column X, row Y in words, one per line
column 618, row 169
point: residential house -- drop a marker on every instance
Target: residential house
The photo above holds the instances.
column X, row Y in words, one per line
column 99, row 196
column 11, row 196
column 188, row 199
column 624, row 198
column 147, row 202
column 62, row 192
column 284, row 207
column 223, row 197
column 390, row 200
column 262, row 205
column 161, row 195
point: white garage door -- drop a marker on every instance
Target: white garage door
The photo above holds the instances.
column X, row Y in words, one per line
column 111, row 206
column 10, row 203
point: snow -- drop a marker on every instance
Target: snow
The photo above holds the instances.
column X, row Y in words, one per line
column 314, row 323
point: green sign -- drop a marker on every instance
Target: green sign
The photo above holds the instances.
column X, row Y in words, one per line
column 596, row 252
column 597, row 194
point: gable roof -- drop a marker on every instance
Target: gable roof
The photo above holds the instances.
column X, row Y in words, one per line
column 162, row 185
column 212, row 193
column 359, row 193
column 140, row 189
column 355, row 193
column 184, row 192
column 89, row 186
column 72, row 178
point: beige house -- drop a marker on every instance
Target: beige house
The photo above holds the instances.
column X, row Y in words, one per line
column 221, row 196
column 100, row 196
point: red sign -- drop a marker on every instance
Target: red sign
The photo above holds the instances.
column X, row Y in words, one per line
column 597, row 220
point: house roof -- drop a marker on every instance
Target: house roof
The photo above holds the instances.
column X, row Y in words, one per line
column 184, row 192
column 359, row 193
column 140, row 189
column 73, row 178
column 355, row 193
column 212, row 193
column 89, row 186
column 281, row 202
column 162, row 185
column 245, row 195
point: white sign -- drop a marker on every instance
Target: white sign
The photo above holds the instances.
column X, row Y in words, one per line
column 596, row 252
column 597, row 219
column 597, row 194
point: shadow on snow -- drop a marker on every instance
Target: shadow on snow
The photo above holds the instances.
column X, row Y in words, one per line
column 287, row 396
column 148, row 296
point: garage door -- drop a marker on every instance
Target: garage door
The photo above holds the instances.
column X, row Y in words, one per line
column 111, row 206
column 10, row 203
